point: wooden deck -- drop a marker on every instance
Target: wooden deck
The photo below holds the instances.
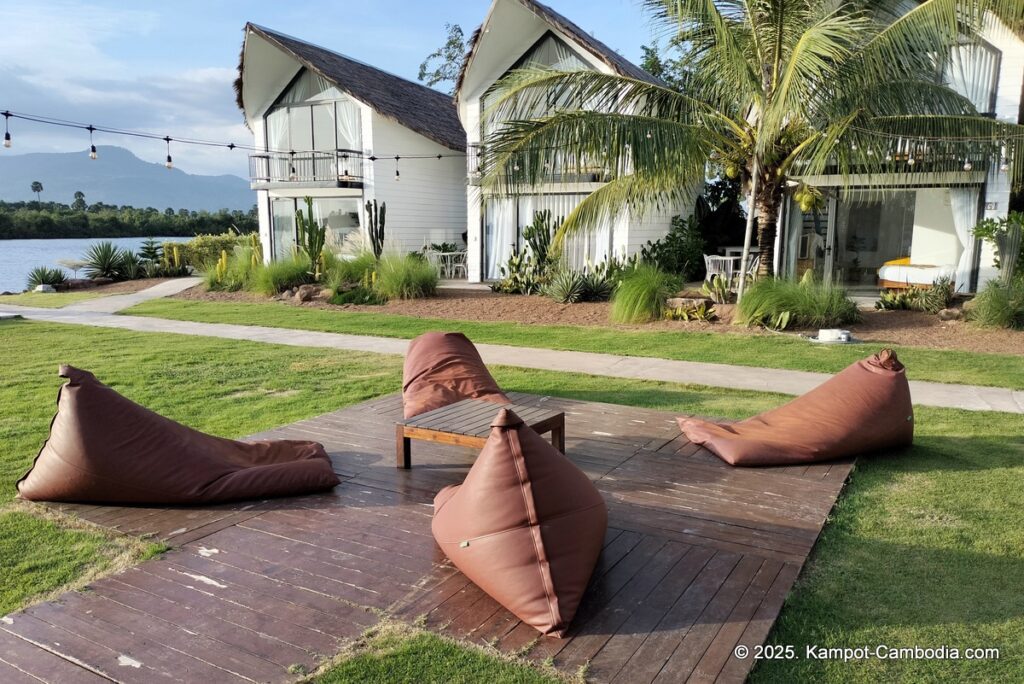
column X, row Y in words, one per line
column 699, row 557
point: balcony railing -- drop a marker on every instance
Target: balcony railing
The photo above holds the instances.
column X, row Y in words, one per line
column 554, row 173
column 341, row 166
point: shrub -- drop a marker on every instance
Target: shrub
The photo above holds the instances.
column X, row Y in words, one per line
column 931, row 299
column 103, row 260
column 44, row 275
column 232, row 272
column 521, row 275
column 640, row 297
column 681, row 252
column 278, row 276
column 404, row 277
column 359, row 295
column 566, row 287
column 779, row 303
column 701, row 312
column 203, row 249
column 590, row 285
column 130, row 266
column 1000, row 305
column 340, row 272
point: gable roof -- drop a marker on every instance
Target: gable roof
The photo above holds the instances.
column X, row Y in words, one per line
column 613, row 59
column 424, row 110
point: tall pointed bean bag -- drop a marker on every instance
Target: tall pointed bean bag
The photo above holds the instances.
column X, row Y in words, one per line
column 443, row 368
column 104, row 448
column 526, row 526
column 864, row 408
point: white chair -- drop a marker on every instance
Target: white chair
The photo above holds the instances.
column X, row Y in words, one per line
column 718, row 265
column 458, row 266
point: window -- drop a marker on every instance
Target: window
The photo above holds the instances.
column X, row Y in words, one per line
column 972, row 70
column 341, row 214
column 549, row 51
column 312, row 114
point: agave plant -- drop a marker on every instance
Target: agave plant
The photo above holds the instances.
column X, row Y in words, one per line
column 772, row 91
column 103, row 260
column 44, row 275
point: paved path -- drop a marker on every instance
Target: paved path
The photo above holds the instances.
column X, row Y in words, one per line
column 114, row 303
column 967, row 397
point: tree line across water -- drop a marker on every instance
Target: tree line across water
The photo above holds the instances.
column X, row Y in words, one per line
column 36, row 219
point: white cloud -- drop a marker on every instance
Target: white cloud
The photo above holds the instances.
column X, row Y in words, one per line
column 58, row 59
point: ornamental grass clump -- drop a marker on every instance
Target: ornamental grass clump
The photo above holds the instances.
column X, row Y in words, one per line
column 44, row 275
column 778, row 303
column 1000, row 305
column 405, row 277
column 281, row 275
column 641, row 295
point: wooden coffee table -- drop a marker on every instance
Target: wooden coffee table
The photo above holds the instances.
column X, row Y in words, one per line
column 468, row 423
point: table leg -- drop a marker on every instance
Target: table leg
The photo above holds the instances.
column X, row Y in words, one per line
column 403, row 448
column 558, row 437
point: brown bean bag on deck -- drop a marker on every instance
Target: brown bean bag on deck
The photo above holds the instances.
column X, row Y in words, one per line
column 104, row 448
column 864, row 408
column 443, row 368
column 526, row 526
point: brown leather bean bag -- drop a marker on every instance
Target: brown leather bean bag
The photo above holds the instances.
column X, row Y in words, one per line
column 526, row 526
column 864, row 408
column 443, row 368
column 104, row 448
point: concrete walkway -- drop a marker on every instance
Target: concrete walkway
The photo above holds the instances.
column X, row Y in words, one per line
column 114, row 303
column 967, row 397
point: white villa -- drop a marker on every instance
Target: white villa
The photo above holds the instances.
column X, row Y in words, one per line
column 516, row 33
column 331, row 127
column 920, row 229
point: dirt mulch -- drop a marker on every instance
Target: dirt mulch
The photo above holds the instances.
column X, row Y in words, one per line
column 895, row 328
column 126, row 287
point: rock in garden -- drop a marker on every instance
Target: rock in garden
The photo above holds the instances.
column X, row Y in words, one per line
column 45, row 288
column 306, row 293
column 950, row 314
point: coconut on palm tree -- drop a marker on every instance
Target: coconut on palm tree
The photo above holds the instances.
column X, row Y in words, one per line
column 775, row 90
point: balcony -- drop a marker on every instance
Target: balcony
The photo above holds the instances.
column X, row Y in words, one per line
column 337, row 169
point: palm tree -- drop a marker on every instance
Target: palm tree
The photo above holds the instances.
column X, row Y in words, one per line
column 37, row 188
column 775, row 90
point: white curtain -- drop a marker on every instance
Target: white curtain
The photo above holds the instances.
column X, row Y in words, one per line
column 964, row 203
column 349, row 131
column 499, row 235
column 971, row 71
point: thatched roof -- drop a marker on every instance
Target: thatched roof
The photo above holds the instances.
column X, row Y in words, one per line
column 613, row 59
column 428, row 112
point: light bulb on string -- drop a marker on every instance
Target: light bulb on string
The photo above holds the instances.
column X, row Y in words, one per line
column 170, row 162
column 344, row 162
column 398, row 176
column 7, row 130
column 292, row 175
column 968, row 165
column 92, row 146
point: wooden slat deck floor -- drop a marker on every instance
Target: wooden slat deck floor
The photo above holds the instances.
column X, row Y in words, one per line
column 698, row 558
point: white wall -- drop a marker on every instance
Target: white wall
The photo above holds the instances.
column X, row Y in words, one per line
column 428, row 203
column 935, row 241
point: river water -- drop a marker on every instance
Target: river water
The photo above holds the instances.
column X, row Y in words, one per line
column 18, row 257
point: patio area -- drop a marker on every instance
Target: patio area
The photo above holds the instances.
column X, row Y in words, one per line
column 699, row 558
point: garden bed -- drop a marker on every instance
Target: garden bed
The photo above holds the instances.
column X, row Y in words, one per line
column 893, row 328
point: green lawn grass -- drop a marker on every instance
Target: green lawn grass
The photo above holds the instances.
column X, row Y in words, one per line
column 782, row 351
column 925, row 548
column 48, row 300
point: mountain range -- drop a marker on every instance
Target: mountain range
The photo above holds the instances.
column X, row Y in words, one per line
column 118, row 177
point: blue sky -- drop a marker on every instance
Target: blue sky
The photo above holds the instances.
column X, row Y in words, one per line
column 167, row 67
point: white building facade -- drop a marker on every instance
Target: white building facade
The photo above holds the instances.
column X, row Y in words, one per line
column 330, row 128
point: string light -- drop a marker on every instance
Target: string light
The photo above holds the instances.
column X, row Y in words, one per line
column 170, row 162
column 398, row 176
column 292, row 175
column 92, row 146
column 344, row 175
column 968, row 165
column 7, row 129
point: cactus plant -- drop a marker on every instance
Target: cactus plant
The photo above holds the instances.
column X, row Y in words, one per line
column 375, row 218
column 312, row 237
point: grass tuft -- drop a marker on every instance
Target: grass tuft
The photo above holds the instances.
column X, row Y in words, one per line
column 779, row 303
column 640, row 297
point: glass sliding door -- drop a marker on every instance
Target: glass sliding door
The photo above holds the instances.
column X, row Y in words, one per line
column 871, row 228
column 282, row 213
